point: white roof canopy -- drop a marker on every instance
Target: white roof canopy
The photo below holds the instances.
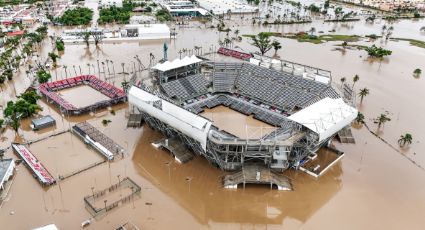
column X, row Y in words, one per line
column 186, row 122
column 325, row 117
column 176, row 63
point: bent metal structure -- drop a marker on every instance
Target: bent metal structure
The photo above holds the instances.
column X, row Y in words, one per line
column 306, row 113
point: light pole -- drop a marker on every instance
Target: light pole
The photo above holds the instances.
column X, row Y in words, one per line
column 105, row 205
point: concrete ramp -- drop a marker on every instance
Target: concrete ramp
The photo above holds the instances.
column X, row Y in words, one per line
column 135, row 120
column 175, row 147
column 255, row 174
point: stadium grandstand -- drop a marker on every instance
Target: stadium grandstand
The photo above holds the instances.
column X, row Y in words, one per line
column 306, row 113
column 50, row 91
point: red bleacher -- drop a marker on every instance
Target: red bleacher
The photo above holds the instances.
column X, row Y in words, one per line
column 234, row 53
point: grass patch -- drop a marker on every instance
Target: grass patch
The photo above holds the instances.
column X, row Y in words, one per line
column 270, row 34
column 413, row 42
column 304, row 37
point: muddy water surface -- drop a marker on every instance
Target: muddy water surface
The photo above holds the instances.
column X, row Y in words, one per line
column 82, row 96
column 238, row 124
column 373, row 187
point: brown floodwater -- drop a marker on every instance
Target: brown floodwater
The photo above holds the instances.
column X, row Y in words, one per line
column 238, row 124
column 82, row 96
column 372, row 187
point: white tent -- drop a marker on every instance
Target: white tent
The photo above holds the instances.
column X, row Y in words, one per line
column 186, row 122
column 325, row 117
column 176, row 63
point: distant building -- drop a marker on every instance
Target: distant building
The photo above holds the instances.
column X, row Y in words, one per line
column 109, row 3
column 183, row 8
column 390, row 5
column 142, row 19
column 7, row 168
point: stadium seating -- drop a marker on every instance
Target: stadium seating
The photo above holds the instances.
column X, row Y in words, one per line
column 49, row 90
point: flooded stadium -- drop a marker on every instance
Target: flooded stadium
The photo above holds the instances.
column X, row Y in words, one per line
column 376, row 185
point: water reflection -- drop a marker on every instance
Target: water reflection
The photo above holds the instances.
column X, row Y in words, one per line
column 207, row 201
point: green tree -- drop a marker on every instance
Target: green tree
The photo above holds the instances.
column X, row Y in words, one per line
column 30, row 96
column 125, row 85
column 405, row 139
column 15, row 111
column 363, row 93
column 378, row 52
column 356, row 78
column 86, row 37
column 417, row 72
column 75, row 17
column 43, row 76
column 262, row 42
column 60, row 45
column 53, row 56
column 381, row 120
column 276, row 46
column 360, row 118
column 163, row 15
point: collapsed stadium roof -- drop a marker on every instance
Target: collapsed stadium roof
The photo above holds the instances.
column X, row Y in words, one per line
column 325, row 117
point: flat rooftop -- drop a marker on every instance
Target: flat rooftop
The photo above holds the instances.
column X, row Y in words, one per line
column 238, row 124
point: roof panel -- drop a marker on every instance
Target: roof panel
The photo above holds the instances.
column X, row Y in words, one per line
column 325, row 117
column 177, row 63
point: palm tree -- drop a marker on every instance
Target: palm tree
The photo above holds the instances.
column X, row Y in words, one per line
column 125, row 84
column 312, row 30
column 363, row 93
column 381, row 120
column 343, row 79
column 236, row 32
column 66, row 72
column 384, row 27
column 227, row 42
column 54, row 57
column 360, row 118
column 405, row 139
column 356, row 78
column 86, row 37
column 276, row 46
column 417, row 72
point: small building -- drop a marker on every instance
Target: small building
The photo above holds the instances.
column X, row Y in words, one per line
column 15, row 33
column 178, row 68
column 147, row 31
column 7, row 168
column 184, row 8
column 42, row 122
column 142, row 19
column 109, row 3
